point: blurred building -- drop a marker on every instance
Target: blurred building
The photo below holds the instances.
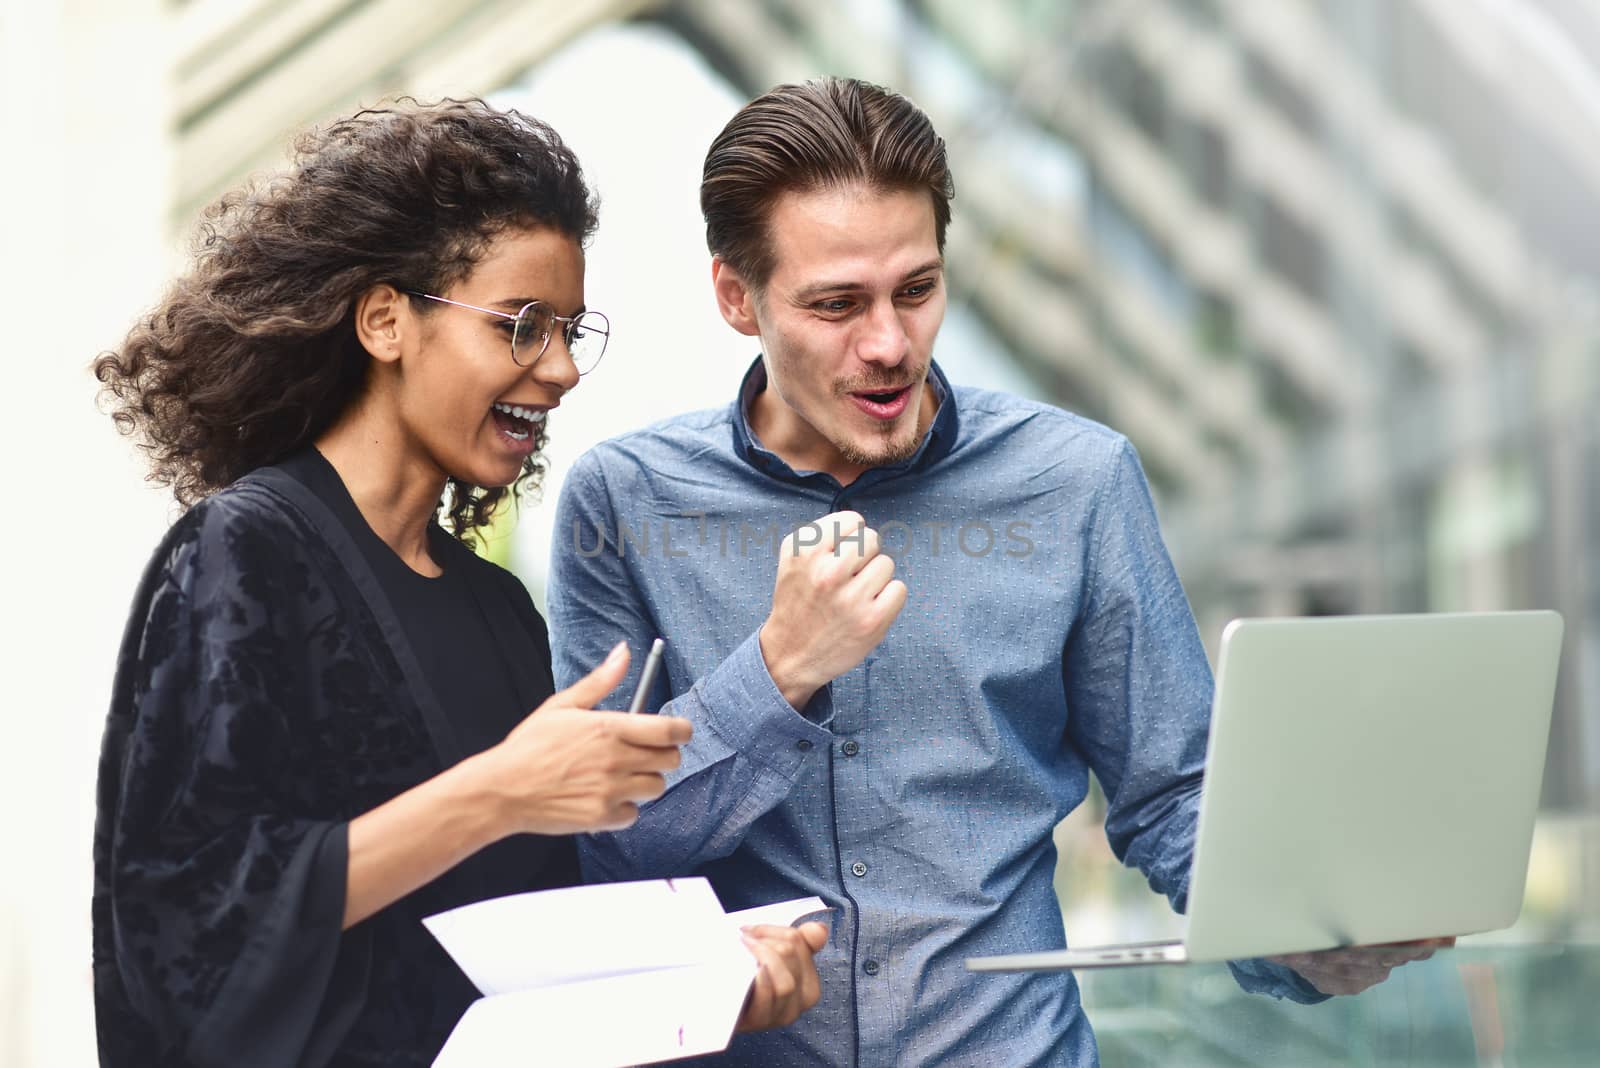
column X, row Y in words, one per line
column 1328, row 263
column 1324, row 261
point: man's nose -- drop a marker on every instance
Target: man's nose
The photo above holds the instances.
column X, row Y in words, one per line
column 884, row 339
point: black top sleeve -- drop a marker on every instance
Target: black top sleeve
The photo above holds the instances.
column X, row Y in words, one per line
column 218, row 902
column 267, row 693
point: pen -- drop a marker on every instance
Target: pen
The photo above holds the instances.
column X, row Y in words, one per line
column 647, row 678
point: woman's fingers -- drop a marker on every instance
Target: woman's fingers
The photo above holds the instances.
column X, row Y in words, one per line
column 758, row 1004
column 815, row 934
column 570, row 769
column 650, row 731
column 786, row 982
column 644, row 786
column 592, row 688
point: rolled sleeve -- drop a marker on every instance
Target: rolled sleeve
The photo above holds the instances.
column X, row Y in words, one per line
column 750, row 745
column 743, row 708
column 748, row 750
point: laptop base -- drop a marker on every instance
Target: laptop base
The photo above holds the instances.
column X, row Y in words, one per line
column 1085, row 957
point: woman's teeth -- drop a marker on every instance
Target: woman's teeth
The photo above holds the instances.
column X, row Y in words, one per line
column 532, row 415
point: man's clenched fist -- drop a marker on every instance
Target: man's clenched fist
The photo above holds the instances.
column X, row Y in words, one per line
column 833, row 601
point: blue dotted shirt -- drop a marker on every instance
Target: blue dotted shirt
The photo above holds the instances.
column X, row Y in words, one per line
column 1045, row 635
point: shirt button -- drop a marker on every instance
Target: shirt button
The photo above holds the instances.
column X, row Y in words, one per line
column 851, row 748
column 858, row 869
column 804, row 745
column 870, row 967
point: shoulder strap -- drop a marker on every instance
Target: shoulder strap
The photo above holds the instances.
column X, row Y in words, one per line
column 333, row 532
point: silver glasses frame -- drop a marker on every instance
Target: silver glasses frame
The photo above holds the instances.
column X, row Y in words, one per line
column 569, row 322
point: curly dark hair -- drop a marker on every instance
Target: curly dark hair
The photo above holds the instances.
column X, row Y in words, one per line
column 253, row 353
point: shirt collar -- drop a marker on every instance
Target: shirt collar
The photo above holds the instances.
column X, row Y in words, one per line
column 939, row 440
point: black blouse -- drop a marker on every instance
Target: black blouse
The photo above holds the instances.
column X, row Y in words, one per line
column 283, row 672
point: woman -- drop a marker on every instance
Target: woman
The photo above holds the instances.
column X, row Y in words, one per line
column 319, row 732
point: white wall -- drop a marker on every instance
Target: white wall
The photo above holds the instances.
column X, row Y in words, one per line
column 85, row 180
column 85, row 247
column 648, row 268
column 83, row 176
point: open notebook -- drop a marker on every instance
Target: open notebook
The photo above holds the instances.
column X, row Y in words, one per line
column 602, row 976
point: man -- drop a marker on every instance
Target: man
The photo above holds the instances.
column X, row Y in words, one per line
column 983, row 614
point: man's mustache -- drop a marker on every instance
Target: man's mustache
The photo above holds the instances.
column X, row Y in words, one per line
column 878, row 383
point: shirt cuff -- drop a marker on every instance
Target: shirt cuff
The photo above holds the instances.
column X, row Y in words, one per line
column 745, row 709
column 1258, row 975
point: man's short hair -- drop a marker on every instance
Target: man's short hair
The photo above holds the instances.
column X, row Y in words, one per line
column 821, row 134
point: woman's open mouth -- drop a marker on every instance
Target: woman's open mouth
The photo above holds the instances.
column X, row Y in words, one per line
column 883, row 404
column 518, row 426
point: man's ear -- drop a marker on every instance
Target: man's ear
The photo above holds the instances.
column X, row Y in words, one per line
column 735, row 300
column 382, row 315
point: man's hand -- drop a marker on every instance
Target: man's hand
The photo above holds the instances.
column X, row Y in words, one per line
column 833, row 601
column 786, row 983
column 1350, row 971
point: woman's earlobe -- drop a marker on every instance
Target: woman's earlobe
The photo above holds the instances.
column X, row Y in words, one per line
column 380, row 316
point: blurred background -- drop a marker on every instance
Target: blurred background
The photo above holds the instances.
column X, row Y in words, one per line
column 1330, row 264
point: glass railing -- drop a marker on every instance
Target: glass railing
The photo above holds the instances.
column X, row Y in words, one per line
column 1527, row 997
column 1491, row 1004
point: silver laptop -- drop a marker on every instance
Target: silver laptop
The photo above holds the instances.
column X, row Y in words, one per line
column 1368, row 779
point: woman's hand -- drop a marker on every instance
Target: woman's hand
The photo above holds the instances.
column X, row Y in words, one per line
column 563, row 769
column 567, row 769
column 786, row 982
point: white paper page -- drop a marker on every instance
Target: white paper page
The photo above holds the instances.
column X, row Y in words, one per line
column 514, row 943
column 781, row 914
column 607, row 1023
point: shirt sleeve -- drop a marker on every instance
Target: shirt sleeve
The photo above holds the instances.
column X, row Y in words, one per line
column 1260, row 976
column 219, row 904
column 1139, row 699
column 747, row 750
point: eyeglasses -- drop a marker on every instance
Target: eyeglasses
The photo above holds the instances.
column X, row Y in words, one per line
column 586, row 333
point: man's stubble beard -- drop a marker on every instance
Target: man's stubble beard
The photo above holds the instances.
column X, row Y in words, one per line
column 892, row 451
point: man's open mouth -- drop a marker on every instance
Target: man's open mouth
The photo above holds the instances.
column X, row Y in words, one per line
column 882, row 403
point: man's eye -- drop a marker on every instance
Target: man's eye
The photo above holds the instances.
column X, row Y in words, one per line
column 918, row 291
column 833, row 307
